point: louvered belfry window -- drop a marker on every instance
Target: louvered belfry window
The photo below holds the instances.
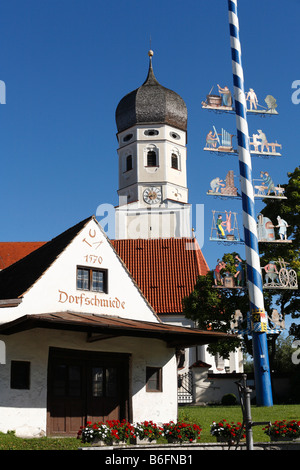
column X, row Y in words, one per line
column 151, row 158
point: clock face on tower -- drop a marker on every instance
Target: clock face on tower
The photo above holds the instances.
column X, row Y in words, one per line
column 152, row 195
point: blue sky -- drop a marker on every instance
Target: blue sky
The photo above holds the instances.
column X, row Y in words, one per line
column 67, row 63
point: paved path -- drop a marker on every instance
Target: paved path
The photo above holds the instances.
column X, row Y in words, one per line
column 155, row 448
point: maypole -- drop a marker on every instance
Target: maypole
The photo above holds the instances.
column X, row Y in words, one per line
column 255, row 285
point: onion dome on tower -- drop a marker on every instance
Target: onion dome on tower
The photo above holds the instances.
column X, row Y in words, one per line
column 151, row 103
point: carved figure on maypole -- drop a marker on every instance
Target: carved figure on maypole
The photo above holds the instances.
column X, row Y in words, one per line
column 212, row 140
column 226, row 96
column 267, row 188
column 239, row 275
column 265, row 229
column 252, row 101
column 261, row 145
column 219, row 187
column 218, row 278
column 252, row 98
column 229, row 274
column 271, row 103
column 225, row 227
column 279, row 276
column 220, row 102
column 271, row 273
column 282, row 225
column 215, row 185
column 220, row 142
column 266, row 232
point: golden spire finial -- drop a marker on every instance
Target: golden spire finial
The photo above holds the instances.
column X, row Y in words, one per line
column 150, row 52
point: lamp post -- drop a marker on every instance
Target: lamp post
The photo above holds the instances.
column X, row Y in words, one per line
column 255, row 288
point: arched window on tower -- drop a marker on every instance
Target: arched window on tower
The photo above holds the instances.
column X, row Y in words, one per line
column 174, row 161
column 129, row 162
column 151, row 158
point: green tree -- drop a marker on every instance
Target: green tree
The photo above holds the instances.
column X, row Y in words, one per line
column 213, row 309
column 283, row 355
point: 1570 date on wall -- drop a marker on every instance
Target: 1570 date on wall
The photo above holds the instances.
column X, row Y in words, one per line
column 93, row 259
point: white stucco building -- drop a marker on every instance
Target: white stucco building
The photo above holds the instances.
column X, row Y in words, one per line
column 81, row 341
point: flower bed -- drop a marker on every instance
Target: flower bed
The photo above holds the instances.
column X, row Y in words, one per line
column 283, row 430
column 108, row 432
column 181, row 432
column 148, row 431
column 225, row 431
column 112, row 432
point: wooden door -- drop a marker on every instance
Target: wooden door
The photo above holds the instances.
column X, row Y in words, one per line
column 67, row 396
column 85, row 386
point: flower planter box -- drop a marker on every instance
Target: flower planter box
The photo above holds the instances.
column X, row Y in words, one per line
column 147, row 441
column 100, row 443
column 224, row 439
column 173, row 440
column 132, row 441
column 284, row 439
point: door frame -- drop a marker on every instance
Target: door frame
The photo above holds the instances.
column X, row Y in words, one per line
column 123, row 360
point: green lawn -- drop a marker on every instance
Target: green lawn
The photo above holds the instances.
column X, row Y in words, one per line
column 11, row 442
column 195, row 414
column 206, row 415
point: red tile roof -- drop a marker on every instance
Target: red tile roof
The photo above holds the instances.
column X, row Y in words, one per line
column 165, row 270
column 10, row 252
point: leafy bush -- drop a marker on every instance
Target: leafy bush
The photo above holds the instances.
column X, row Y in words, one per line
column 229, row 399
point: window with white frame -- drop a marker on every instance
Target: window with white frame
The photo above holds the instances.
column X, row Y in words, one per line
column 151, row 159
column 175, row 159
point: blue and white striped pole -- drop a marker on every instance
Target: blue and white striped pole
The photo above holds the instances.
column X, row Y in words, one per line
column 255, row 287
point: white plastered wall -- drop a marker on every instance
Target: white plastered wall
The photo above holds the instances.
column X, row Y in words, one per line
column 25, row 411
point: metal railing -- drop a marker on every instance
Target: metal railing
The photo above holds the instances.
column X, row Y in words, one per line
column 185, row 388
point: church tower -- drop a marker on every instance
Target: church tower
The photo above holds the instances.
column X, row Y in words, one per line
column 152, row 133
